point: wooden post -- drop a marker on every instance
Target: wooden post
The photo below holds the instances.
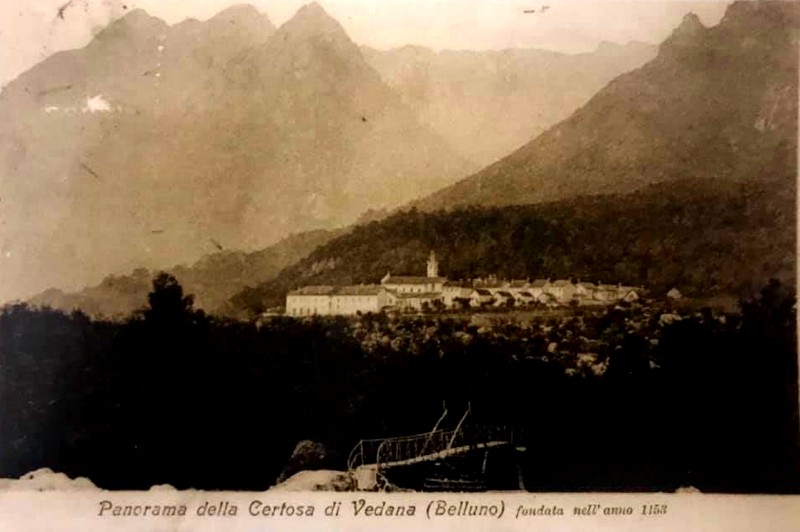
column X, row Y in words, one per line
column 458, row 427
column 435, row 427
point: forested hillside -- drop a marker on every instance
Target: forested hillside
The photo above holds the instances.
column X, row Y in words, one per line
column 701, row 237
column 212, row 280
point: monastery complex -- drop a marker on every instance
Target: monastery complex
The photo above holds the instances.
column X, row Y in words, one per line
column 432, row 292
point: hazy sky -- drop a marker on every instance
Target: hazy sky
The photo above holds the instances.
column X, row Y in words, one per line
column 30, row 30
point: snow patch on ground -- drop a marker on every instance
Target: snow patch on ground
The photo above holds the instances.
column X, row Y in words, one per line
column 94, row 104
column 97, row 104
column 320, row 480
column 162, row 487
column 46, row 480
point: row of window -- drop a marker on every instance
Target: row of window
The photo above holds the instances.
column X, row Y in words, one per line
column 410, row 289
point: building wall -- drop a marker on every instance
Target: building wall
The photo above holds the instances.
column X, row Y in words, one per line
column 308, row 305
column 451, row 293
column 341, row 304
column 353, row 304
column 420, row 288
column 416, row 303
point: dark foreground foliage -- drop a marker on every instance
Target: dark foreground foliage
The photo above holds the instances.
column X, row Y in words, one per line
column 613, row 399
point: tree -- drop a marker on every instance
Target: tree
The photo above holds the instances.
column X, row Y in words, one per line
column 167, row 303
column 768, row 371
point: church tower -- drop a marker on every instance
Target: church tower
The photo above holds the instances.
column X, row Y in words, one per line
column 433, row 265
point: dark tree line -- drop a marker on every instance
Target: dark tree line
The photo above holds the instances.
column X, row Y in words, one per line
column 704, row 237
column 176, row 396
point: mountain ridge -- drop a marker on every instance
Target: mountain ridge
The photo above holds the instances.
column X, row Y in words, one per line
column 706, row 105
column 489, row 103
column 679, row 173
column 616, row 136
column 212, row 280
column 166, row 136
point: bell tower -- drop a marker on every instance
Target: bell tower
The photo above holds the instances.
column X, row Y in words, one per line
column 433, row 265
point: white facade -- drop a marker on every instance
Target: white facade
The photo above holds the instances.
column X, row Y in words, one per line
column 309, row 301
column 342, row 300
column 416, row 292
column 453, row 291
column 414, row 285
column 409, row 301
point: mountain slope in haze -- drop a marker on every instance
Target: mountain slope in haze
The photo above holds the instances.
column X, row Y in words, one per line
column 212, row 280
column 707, row 238
column 487, row 104
column 141, row 147
column 717, row 102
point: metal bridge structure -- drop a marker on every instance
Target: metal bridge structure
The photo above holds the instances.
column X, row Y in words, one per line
column 373, row 461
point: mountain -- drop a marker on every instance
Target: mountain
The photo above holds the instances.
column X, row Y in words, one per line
column 142, row 147
column 680, row 173
column 717, row 102
column 489, row 103
column 708, row 238
column 212, row 280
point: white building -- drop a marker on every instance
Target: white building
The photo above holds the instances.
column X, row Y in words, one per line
column 431, row 291
column 455, row 291
column 309, row 301
column 402, row 292
column 480, row 297
column 410, row 284
column 337, row 300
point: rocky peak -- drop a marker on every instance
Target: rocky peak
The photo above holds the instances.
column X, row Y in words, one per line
column 312, row 20
column 688, row 35
column 139, row 20
column 313, row 41
column 237, row 26
column 765, row 14
column 137, row 26
column 242, row 16
column 689, row 27
column 237, row 11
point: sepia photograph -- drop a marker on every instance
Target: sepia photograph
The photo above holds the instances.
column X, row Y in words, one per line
column 450, row 246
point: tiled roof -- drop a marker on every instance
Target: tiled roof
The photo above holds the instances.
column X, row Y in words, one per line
column 312, row 291
column 539, row 283
column 524, row 294
column 458, row 284
column 359, row 290
column 410, row 279
column 562, row 282
column 352, row 290
column 503, row 293
column 483, row 292
column 418, row 295
column 490, row 284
